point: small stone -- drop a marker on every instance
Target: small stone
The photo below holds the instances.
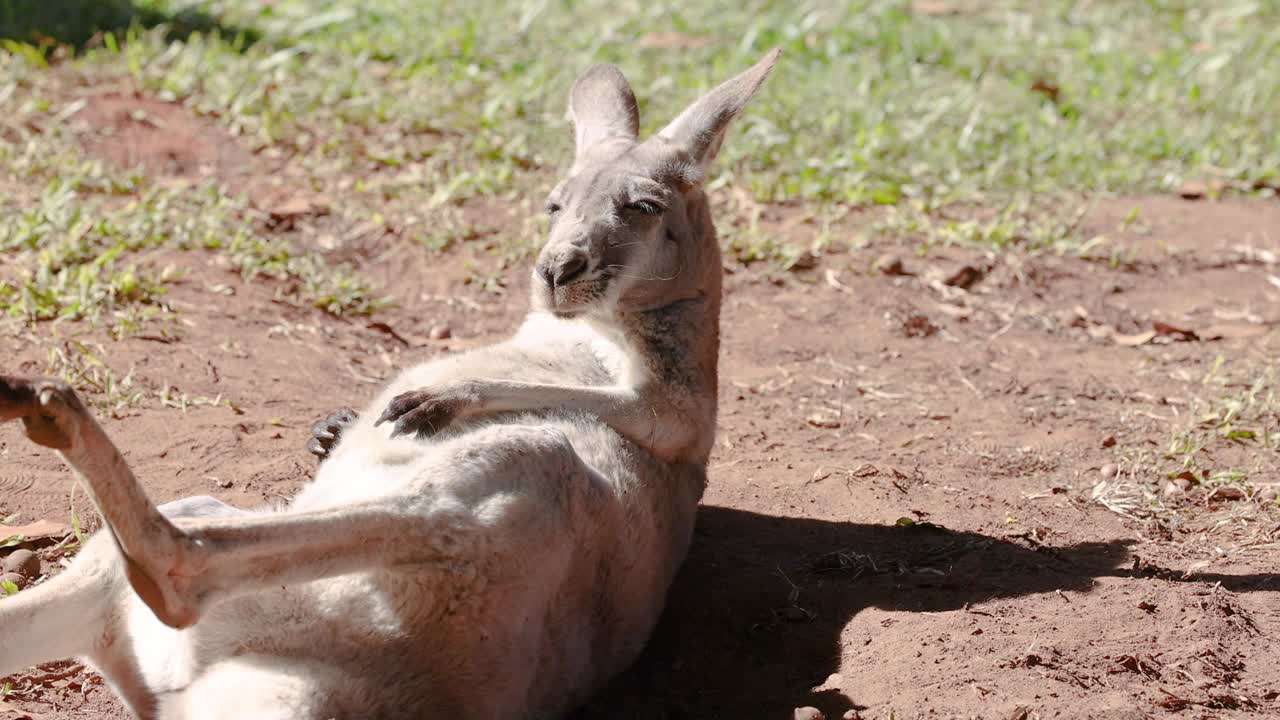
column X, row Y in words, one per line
column 1192, row 190
column 1108, row 471
column 808, row 713
column 14, row 578
column 851, row 715
column 1227, row 492
column 833, row 681
column 22, row 562
column 820, row 421
column 1269, row 493
column 964, row 278
column 1171, row 489
column 441, row 332
column 890, row 265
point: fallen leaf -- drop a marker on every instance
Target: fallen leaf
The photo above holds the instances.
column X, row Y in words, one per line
column 1141, row 338
column 38, row 530
column 890, row 265
column 822, row 422
column 959, row 313
column 807, row 260
column 1226, row 492
column 385, row 328
column 1047, row 89
column 964, row 278
column 1164, row 328
column 833, row 280
column 1099, row 332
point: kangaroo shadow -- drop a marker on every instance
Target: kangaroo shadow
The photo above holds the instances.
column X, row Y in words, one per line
column 736, row 640
column 77, row 22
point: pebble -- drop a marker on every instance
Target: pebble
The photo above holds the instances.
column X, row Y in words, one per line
column 1171, row 489
column 808, row 713
column 441, row 332
column 22, row 562
column 1108, row 471
column 890, row 265
column 14, row 578
column 1227, row 492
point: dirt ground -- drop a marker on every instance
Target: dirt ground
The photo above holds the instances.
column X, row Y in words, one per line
column 908, row 513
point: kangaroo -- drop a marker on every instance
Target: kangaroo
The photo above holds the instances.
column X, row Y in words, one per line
column 493, row 537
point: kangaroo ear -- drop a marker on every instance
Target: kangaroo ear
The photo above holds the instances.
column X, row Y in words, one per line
column 601, row 105
column 701, row 127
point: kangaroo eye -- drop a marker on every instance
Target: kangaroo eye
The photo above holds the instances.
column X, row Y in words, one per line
column 552, row 208
column 645, row 207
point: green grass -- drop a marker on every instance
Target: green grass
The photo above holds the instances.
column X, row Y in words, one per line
column 872, row 103
column 1225, row 438
column 407, row 109
column 1232, row 431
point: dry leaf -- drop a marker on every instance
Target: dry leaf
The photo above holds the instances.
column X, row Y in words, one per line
column 38, row 530
column 1099, row 332
column 1226, row 493
column 1047, row 89
column 833, row 280
column 1164, row 328
column 890, row 265
column 964, row 278
column 1141, row 338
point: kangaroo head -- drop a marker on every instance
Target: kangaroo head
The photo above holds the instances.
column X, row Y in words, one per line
column 630, row 229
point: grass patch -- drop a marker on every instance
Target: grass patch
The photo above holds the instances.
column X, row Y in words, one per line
column 73, row 262
column 1224, row 451
column 1232, row 434
column 874, row 103
column 415, row 107
column 1022, row 223
column 81, row 366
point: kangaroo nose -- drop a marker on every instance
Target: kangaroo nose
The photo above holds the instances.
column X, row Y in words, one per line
column 564, row 269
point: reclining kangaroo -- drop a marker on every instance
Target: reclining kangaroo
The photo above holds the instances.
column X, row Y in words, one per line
column 493, row 538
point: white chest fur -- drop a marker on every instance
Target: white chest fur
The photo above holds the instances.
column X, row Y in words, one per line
column 599, row 340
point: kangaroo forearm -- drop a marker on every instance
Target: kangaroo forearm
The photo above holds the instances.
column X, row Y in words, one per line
column 624, row 409
column 505, row 396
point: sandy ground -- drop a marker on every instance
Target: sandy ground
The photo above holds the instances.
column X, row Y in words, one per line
column 986, row 412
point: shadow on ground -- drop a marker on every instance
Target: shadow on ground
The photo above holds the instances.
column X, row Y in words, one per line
column 732, row 644
column 78, row 23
